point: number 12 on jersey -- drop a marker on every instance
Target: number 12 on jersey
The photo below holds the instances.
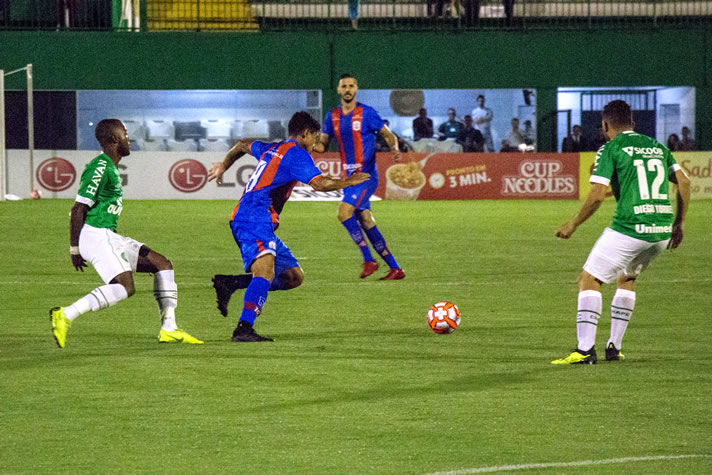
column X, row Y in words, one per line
column 654, row 165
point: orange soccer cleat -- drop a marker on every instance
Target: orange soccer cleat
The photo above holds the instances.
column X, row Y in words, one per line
column 394, row 274
column 369, row 267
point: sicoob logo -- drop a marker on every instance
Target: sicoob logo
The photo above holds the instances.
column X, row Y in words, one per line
column 188, row 175
column 56, row 174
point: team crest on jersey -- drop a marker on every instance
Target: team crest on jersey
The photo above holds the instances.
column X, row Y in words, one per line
column 272, row 245
column 356, row 125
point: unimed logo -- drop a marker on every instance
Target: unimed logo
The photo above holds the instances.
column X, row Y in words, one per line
column 56, row 174
column 188, row 175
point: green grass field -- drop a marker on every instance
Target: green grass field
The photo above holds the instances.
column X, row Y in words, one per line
column 355, row 382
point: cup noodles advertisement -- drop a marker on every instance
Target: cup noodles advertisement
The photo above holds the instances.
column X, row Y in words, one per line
column 485, row 176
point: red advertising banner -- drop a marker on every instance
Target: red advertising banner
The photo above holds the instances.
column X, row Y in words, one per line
column 473, row 176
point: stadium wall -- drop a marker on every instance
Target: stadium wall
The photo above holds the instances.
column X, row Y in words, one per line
column 438, row 60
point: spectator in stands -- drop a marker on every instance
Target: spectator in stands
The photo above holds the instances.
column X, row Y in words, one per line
column 575, row 142
column 422, row 125
column 508, row 11
column 452, row 127
column 598, row 141
column 353, row 13
column 382, row 145
column 506, row 148
column 482, row 117
column 470, row 138
column 435, row 8
column 686, row 143
column 514, row 138
column 529, row 133
column 673, row 142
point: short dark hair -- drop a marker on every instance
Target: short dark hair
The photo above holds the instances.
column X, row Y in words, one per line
column 300, row 122
column 478, row 97
column 347, row 76
column 618, row 113
column 106, row 129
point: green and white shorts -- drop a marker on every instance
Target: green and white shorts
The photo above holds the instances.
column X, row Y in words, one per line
column 109, row 253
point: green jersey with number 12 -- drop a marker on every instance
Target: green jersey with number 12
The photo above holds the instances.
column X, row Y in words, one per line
column 100, row 189
column 637, row 168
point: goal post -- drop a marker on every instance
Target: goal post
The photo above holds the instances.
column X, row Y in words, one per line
column 4, row 178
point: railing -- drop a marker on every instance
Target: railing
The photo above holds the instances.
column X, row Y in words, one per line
column 371, row 15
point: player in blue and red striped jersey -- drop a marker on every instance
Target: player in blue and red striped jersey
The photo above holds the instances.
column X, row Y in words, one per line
column 355, row 126
column 280, row 166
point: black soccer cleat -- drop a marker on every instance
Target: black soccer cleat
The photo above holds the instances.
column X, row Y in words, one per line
column 245, row 333
column 613, row 353
column 226, row 285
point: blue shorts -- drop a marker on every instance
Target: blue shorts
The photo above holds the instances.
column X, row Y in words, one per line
column 359, row 196
column 256, row 240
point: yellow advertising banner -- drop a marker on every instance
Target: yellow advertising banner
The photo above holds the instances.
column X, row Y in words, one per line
column 698, row 166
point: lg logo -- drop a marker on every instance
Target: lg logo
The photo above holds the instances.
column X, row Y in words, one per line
column 56, row 174
column 188, row 175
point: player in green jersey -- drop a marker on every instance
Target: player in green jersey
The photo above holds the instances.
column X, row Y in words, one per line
column 93, row 238
column 638, row 169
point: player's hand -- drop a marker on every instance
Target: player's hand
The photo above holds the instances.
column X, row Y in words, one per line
column 566, row 230
column 216, row 172
column 396, row 156
column 357, row 178
column 78, row 262
column 676, row 237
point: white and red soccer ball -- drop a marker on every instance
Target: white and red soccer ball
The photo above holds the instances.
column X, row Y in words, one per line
column 444, row 317
column 35, row 194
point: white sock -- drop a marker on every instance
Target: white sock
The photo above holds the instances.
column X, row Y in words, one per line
column 101, row 297
column 165, row 291
column 589, row 311
column 621, row 310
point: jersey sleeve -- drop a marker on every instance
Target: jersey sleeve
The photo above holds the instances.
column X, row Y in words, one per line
column 672, row 165
column 328, row 126
column 604, row 166
column 92, row 182
column 301, row 165
column 257, row 148
column 373, row 120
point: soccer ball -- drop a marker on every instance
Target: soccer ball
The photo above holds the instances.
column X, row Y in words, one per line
column 444, row 317
column 35, row 194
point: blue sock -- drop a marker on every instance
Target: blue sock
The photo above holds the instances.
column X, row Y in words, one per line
column 379, row 244
column 255, row 297
column 354, row 228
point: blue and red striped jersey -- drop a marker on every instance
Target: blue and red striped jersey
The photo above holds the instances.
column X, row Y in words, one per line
column 356, row 134
column 280, row 166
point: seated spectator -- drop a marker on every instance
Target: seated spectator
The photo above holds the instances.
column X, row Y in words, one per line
column 529, row 133
column 575, row 142
column 452, row 128
column 382, row 145
column 686, row 143
column 673, row 142
column 470, row 138
column 514, row 138
column 506, row 148
column 422, row 126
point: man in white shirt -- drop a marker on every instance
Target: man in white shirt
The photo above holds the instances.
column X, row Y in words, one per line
column 482, row 117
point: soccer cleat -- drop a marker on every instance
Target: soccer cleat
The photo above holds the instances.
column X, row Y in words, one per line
column 178, row 336
column 613, row 353
column 394, row 274
column 245, row 332
column 369, row 267
column 60, row 325
column 578, row 357
column 226, row 285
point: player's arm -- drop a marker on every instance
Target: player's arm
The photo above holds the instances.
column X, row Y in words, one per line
column 325, row 183
column 322, row 144
column 392, row 142
column 589, row 207
column 242, row 147
column 683, row 201
column 76, row 221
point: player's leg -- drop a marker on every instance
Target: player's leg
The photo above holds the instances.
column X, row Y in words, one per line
column 368, row 223
column 104, row 250
column 288, row 272
column 346, row 214
column 623, row 302
column 165, row 291
column 255, row 297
